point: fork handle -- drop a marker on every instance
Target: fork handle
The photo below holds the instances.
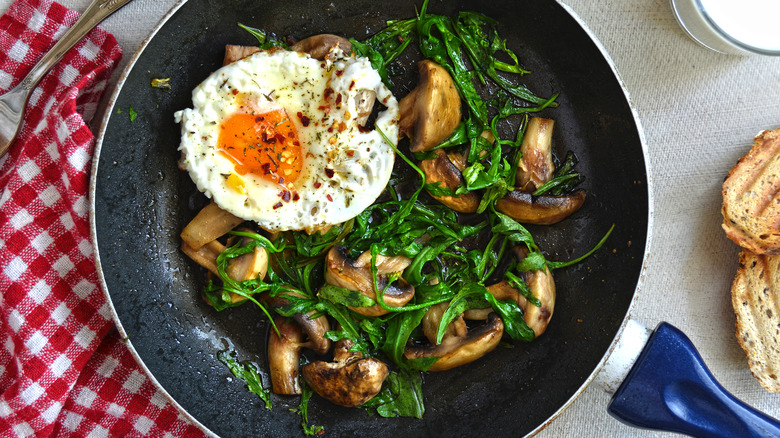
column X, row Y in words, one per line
column 97, row 11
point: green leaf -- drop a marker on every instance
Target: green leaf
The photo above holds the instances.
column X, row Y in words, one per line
column 248, row 373
column 346, row 297
column 401, row 396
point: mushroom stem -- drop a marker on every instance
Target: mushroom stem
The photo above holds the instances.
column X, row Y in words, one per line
column 536, row 165
column 284, row 352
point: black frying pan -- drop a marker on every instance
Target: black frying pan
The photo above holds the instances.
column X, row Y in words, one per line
column 142, row 201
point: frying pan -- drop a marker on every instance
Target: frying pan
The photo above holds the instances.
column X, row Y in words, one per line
column 141, row 201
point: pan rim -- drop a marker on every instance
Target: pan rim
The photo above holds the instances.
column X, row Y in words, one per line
column 124, row 335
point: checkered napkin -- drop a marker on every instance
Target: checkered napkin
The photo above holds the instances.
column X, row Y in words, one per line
column 63, row 370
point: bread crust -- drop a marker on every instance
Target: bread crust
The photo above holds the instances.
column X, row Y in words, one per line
column 755, row 296
column 751, row 201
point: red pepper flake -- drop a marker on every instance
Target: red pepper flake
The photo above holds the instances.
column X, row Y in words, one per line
column 317, row 185
column 266, row 168
column 297, row 143
column 281, row 180
column 279, row 137
column 328, row 92
column 259, row 119
column 338, row 99
column 304, row 120
column 385, row 99
column 278, row 205
column 234, row 92
column 339, row 72
column 342, row 126
column 285, row 196
column 352, row 85
column 350, row 153
column 296, row 197
column 330, row 198
column 329, row 172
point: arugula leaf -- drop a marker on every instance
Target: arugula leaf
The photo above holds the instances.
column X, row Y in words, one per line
column 264, row 43
column 401, row 396
column 303, row 411
column 248, row 373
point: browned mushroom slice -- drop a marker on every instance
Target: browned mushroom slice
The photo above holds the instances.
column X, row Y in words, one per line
column 502, row 291
column 431, row 111
column 430, row 323
column 536, row 165
column 209, row 224
column 314, row 328
column 355, row 274
column 206, row 255
column 318, row 46
column 540, row 210
column 542, row 287
column 351, row 380
column 444, row 170
column 455, row 351
column 233, row 53
column 284, row 352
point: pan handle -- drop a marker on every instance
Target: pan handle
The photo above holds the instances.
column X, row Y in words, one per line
column 669, row 388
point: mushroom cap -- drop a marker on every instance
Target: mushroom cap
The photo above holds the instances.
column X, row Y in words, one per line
column 460, row 350
column 540, row 210
column 431, row 111
column 318, row 46
column 443, row 170
column 355, row 274
column 350, row 381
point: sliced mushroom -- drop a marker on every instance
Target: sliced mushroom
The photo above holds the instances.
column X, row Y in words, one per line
column 351, row 380
column 542, row 286
column 233, row 53
column 314, row 328
column 455, row 351
column 249, row 266
column 431, row 111
column 540, row 210
column 284, row 354
column 206, row 255
column 356, row 275
column 501, row 291
column 319, row 46
column 444, row 170
column 430, row 323
column 209, row 224
column 536, row 165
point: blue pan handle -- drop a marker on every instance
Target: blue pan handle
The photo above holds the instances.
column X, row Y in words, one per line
column 669, row 388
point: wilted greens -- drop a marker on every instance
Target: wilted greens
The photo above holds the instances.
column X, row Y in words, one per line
column 453, row 258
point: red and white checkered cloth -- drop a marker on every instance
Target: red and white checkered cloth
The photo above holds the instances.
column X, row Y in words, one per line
column 63, row 370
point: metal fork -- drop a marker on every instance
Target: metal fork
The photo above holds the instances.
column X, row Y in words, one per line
column 13, row 102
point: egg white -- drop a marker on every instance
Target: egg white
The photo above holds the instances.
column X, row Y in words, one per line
column 344, row 169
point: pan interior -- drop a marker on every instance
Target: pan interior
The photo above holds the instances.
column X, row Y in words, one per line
column 142, row 201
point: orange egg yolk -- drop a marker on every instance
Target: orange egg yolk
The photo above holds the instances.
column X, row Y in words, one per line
column 265, row 144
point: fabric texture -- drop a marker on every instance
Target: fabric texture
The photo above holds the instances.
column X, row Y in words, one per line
column 63, row 369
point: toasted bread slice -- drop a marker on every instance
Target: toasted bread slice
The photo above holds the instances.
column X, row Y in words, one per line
column 751, row 205
column 755, row 295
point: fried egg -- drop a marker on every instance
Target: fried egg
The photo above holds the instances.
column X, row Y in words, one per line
column 277, row 138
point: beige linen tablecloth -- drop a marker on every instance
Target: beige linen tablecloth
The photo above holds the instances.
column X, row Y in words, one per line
column 700, row 111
